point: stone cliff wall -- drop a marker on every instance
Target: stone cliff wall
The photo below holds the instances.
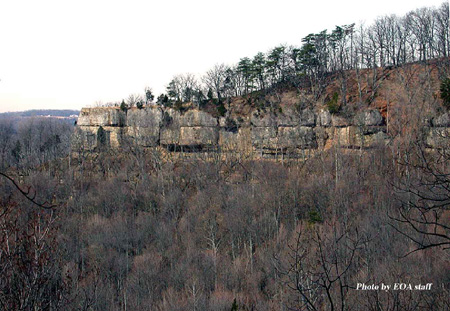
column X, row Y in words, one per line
column 291, row 133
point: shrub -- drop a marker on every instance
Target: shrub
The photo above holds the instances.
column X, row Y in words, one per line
column 179, row 106
column 445, row 92
column 332, row 105
column 234, row 306
column 231, row 125
column 221, row 109
column 314, row 217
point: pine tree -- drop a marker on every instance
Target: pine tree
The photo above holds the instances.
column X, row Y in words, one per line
column 123, row 106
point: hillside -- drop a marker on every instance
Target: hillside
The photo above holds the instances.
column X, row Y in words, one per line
column 376, row 107
column 306, row 178
column 363, row 89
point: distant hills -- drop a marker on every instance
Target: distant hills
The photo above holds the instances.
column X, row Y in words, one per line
column 65, row 113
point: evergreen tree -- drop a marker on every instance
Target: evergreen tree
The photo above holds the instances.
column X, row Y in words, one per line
column 174, row 90
column 123, row 106
column 162, row 100
column 445, row 92
column 210, row 94
column 245, row 69
column 259, row 68
column 234, row 306
column 149, row 95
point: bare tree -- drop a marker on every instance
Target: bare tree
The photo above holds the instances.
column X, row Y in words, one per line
column 320, row 271
column 215, row 79
column 424, row 195
column 182, row 87
column 6, row 137
column 134, row 100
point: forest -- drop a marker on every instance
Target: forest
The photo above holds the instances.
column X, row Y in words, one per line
column 142, row 229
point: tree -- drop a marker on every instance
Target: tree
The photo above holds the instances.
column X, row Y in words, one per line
column 199, row 97
column 424, row 194
column 441, row 16
column 6, row 136
column 188, row 85
column 259, row 70
column 123, row 106
column 149, row 95
column 234, row 81
column 234, row 306
column 30, row 265
column 245, row 70
column 210, row 94
column 313, row 60
column 16, row 152
column 320, row 266
column 162, row 100
column 174, row 90
column 182, row 87
column 214, row 79
column 340, row 56
column 134, row 99
column 307, row 55
column 275, row 63
column 221, row 109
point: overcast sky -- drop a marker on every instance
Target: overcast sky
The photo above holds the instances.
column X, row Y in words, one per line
column 70, row 54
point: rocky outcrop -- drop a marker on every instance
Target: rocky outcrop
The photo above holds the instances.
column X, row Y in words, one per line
column 369, row 118
column 102, row 117
column 193, row 129
column 442, row 120
column 291, row 132
column 287, row 132
column 143, row 126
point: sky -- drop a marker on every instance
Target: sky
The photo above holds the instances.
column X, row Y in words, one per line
column 59, row 54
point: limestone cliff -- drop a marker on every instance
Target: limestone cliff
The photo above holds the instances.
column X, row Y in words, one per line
column 291, row 133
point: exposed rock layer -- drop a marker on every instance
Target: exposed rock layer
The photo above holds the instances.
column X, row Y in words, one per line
column 290, row 133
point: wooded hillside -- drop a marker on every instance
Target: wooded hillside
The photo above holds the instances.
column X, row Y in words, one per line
column 137, row 228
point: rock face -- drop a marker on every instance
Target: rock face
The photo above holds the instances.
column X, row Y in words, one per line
column 290, row 133
column 101, row 117
column 442, row 120
column 369, row 118
column 193, row 129
column 143, row 126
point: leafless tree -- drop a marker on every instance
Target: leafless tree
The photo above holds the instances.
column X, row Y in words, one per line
column 215, row 79
column 424, row 195
column 320, row 271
